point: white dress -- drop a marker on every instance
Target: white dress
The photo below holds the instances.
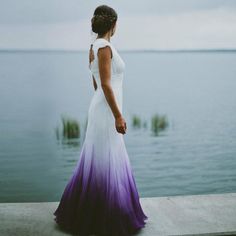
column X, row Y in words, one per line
column 101, row 197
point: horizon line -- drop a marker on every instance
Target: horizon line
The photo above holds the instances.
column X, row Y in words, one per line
column 120, row 50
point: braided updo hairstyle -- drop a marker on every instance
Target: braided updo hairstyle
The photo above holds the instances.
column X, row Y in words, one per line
column 104, row 18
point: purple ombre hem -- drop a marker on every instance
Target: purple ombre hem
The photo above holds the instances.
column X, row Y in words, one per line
column 101, row 201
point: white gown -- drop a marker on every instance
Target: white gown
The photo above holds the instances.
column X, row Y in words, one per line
column 101, row 197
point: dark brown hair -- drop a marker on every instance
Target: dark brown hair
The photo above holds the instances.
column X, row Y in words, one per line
column 104, row 18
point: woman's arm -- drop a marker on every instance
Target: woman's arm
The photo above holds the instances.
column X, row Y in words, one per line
column 104, row 64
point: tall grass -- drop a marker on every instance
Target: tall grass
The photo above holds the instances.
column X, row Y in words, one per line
column 136, row 121
column 70, row 129
column 158, row 123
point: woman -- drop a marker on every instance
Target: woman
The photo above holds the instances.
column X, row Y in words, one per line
column 101, row 197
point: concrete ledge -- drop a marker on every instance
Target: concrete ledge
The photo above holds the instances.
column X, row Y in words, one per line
column 213, row 214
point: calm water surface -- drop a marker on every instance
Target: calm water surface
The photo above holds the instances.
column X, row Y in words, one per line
column 196, row 154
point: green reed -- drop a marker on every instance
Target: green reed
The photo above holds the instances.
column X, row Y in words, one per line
column 71, row 128
column 158, row 123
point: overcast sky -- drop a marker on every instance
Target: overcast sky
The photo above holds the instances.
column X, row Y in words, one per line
column 149, row 24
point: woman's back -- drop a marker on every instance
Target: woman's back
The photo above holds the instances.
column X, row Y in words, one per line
column 117, row 63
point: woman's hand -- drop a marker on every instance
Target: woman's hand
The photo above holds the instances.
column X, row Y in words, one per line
column 120, row 125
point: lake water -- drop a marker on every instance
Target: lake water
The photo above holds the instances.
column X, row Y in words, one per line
column 196, row 154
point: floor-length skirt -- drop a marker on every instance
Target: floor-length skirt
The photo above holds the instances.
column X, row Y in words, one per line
column 101, row 198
